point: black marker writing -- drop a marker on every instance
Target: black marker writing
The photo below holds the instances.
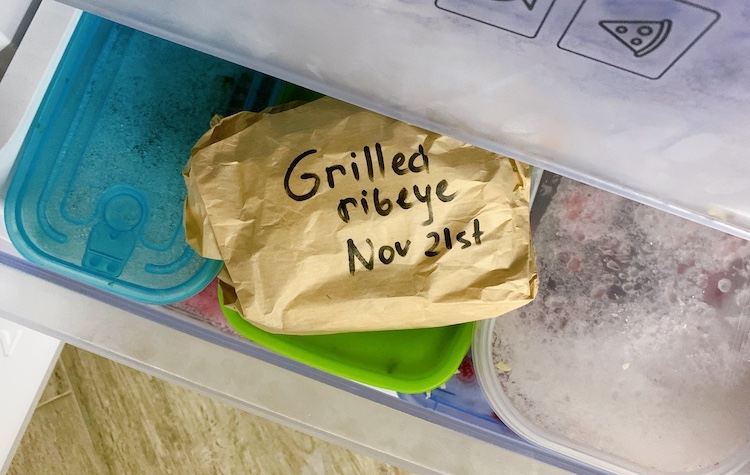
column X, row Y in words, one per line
column 354, row 253
column 385, row 206
column 398, row 163
column 386, row 254
column 434, row 237
column 304, row 176
column 426, row 198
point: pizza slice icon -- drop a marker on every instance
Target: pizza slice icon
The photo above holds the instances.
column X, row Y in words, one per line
column 641, row 37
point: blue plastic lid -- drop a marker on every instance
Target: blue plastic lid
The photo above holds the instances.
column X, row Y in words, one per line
column 98, row 190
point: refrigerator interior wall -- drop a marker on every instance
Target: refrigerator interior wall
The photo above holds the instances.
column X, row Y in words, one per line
column 15, row 16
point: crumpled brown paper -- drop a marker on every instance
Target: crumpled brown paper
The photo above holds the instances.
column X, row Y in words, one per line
column 330, row 218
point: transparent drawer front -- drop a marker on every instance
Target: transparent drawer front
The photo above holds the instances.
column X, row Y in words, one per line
column 645, row 98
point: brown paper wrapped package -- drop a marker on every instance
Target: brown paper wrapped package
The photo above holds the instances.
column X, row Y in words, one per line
column 330, row 218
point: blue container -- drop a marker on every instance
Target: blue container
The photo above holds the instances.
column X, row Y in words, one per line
column 98, row 193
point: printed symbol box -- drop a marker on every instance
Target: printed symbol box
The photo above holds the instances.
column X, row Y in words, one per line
column 644, row 37
column 523, row 17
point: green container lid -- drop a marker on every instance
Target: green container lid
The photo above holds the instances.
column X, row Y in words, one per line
column 407, row 361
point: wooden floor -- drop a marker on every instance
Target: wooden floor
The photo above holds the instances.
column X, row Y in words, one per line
column 99, row 417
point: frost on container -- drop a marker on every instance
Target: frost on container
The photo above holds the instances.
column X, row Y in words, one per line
column 637, row 345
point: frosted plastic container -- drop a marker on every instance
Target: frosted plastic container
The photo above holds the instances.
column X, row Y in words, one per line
column 635, row 356
column 649, row 99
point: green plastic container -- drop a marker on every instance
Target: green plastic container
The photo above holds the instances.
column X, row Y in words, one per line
column 407, row 361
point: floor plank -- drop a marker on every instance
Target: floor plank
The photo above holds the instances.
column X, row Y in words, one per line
column 58, row 385
column 57, row 439
column 109, row 419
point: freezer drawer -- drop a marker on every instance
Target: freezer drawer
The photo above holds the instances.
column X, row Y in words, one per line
column 174, row 345
column 187, row 346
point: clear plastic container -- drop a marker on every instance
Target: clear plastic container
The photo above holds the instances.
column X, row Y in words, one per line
column 649, row 99
column 635, row 357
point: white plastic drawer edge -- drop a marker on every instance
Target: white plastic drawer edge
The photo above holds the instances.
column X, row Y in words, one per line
column 27, row 359
column 24, row 83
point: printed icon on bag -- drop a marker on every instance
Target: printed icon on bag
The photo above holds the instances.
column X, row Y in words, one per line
column 522, row 17
column 641, row 37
